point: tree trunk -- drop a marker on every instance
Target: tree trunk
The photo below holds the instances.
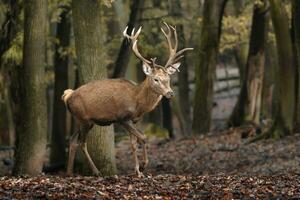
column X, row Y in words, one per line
column 125, row 50
column 248, row 106
column 296, row 26
column 32, row 130
column 240, row 50
column 183, row 76
column 90, row 54
column 285, row 77
column 167, row 116
column 58, row 139
column 206, row 64
column 271, row 65
column 10, row 27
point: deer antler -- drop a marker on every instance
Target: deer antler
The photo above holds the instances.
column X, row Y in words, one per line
column 173, row 57
column 133, row 37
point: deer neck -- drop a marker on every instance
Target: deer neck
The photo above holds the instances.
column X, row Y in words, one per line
column 147, row 98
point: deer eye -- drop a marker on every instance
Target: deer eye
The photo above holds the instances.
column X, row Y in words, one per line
column 156, row 80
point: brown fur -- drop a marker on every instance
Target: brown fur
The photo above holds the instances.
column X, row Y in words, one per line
column 111, row 100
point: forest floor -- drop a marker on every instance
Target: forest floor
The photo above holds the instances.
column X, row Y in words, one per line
column 215, row 166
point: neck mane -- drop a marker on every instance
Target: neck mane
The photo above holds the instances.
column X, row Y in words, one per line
column 147, row 98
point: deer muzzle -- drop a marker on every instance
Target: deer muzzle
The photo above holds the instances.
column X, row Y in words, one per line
column 169, row 94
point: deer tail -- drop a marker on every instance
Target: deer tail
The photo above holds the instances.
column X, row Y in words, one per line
column 67, row 94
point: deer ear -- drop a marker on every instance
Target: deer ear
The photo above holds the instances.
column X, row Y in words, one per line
column 148, row 70
column 173, row 68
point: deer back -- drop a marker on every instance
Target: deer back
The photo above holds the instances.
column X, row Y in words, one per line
column 111, row 100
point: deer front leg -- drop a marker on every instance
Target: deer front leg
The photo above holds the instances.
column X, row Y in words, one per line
column 142, row 140
column 133, row 141
column 145, row 158
column 72, row 152
column 128, row 126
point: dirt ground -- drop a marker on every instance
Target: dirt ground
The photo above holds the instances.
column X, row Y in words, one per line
column 164, row 187
column 217, row 153
column 216, row 166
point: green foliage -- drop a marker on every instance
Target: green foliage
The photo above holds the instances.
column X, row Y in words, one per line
column 14, row 55
column 56, row 7
column 235, row 30
column 107, row 3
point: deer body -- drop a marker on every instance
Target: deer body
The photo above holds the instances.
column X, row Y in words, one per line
column 121, row 101
column 112, row 100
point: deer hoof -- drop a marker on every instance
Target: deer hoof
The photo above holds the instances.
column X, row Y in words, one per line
column 140, row 175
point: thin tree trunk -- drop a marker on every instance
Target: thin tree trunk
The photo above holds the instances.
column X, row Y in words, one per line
column 90, row 54
column 296, row 26
column 58, row 139
column 248, row 106
column 167, row 116
column 32, row 130
column 240, row 50
column 10, row 27
column 285, row 77
column 125, row 51
column 183, row 76
column 205, row 67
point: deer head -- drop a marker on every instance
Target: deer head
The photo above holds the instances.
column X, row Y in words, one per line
column 158, row 76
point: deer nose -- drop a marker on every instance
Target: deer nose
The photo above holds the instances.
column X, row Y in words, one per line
column 170, row 94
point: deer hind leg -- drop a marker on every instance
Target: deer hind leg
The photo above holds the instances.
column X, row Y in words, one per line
column 72, row 152
column 84, row 131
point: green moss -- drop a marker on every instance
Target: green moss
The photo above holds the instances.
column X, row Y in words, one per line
column 155, row 130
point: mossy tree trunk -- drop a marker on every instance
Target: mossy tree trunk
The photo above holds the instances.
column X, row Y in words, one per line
column 58, row 137
column 90, row 54
column 207, row 55
column 296, row 26
column 285, row 76
column 271, row 65
column 248, row 106
column 32, row 122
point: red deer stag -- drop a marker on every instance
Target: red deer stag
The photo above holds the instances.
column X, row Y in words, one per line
column 108, row 101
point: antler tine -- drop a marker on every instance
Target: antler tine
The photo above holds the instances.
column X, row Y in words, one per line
column 182, row 51
column 172, row 49
column 175, row 37
column 133, row 37
column 138, row 54
column 157, row 65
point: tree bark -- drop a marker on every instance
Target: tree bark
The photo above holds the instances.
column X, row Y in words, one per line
column 10, row 27
column 32, row 130
column 86, row 17
column 271, row 65
column 285, row 76
column 206, row 64
column 58, row 137
column 296, row 26
column 240, row 50
column 125, row 49
column 167, row 116
column 248, row 106
column 183, row 76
